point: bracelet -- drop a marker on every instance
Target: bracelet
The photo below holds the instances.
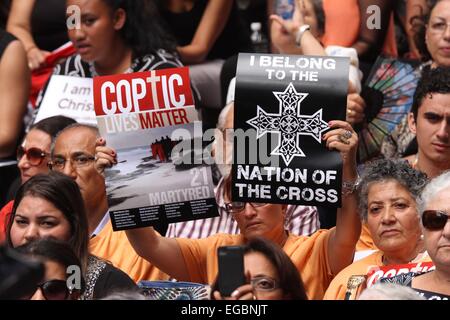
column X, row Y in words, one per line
column 301, row 30
column 349, row 187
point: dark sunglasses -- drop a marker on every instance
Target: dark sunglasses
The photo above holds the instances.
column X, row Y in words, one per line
column 34, row 155
column 54, row 290
column 434, row 219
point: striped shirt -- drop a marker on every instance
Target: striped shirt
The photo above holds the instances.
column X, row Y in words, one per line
column 300, row 220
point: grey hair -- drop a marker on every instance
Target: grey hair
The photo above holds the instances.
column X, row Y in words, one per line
column 432, row 189
column 390, row 291
column 75, row 125
column 385, row 170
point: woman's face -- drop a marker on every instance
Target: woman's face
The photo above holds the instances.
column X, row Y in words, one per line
column 437, row 242
column 392, row 218
column 37, row 218
column 266, row 221
column 96, row 36
column 437, row 35
column 264, row 277
column 29, row 165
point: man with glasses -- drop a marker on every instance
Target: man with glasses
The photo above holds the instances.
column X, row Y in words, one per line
column 300, row 220
column 73, row 154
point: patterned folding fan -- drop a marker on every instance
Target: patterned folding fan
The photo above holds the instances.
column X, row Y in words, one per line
column 388, row 93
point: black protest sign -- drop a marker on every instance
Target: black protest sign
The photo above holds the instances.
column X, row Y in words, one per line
column 283, row 105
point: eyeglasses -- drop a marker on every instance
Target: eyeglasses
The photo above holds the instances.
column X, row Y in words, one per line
column 77, row 161
column 264, row 284
column 236, row 207
column 35, row 156
column 54, row 290
column 438, row 27
column 434, row 219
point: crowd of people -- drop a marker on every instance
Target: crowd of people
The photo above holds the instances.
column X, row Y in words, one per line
column 395, row 207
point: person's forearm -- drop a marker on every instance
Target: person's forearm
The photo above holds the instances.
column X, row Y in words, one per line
column 192, row 54
column 14, row 90
column 144, row 242
column 23, row 35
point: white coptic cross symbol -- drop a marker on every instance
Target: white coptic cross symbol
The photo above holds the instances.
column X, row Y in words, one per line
column 289, row 124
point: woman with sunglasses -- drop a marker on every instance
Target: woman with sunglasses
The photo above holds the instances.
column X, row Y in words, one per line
column 57, row 256
column 434, row 207
column 270, row 272
column 387, row 203
column 32, row 157
column 51, row 206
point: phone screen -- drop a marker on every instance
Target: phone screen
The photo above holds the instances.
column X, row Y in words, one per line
column 231, row 269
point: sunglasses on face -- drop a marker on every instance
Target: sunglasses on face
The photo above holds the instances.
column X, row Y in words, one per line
column 434, row 219
column 35, row 156
column 54, row 290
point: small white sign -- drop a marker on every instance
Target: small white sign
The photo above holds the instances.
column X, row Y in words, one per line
column 71, row 97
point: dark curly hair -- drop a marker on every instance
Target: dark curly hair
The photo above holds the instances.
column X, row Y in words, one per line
column 419, row 25
column 143, row 30
column 432, row 81
column 386, row 170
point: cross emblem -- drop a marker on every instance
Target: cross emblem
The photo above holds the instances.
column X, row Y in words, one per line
column 289, row 124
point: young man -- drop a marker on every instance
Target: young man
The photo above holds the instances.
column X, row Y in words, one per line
column 429, row 120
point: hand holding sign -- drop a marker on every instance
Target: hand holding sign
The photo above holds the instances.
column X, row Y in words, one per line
column 105, row 157
column 345, row 140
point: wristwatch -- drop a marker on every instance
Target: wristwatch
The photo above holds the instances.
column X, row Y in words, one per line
column 301, row 30
column 349, row 187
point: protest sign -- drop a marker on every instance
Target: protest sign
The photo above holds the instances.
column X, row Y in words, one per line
column 68, row 96
column 146, row 117
column 283, row 105
column 375, row 274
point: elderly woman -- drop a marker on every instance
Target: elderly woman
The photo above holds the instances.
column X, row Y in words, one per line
column 387, row 201
column 434, row 208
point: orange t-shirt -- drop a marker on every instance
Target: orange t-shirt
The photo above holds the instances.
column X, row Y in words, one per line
column 365, row 241
column 309, row 255
column 4, row 217
column 338, row 287
column 115, row 247
column 342, row 20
